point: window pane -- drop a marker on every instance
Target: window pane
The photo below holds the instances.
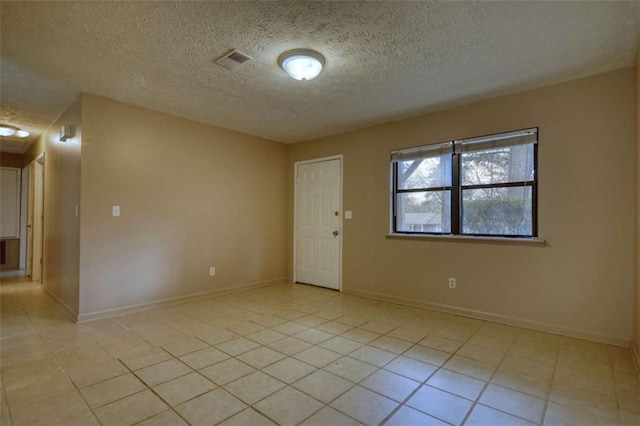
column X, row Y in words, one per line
column 425, row 173
column 424, row 212
column 500, row 165
column 497, row 211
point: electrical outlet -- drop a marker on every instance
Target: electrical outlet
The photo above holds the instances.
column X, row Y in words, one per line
column 452, row 283
column 212, row 271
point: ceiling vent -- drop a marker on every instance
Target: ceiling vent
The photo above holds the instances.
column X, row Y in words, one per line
column 232, row 59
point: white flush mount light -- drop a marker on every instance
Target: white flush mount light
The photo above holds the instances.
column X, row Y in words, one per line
column 302, row 64
column 7, row 130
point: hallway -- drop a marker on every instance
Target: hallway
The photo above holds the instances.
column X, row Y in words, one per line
column 26, row 308
column 295, row 354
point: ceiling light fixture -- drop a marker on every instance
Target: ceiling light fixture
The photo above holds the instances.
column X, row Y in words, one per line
column 302, row 64
column 7, row 130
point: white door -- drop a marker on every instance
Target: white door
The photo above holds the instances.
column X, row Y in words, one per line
column 317, row 227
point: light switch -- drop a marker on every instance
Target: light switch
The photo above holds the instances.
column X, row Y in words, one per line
column 77, row 210
column 115, row 210
column 348, row 214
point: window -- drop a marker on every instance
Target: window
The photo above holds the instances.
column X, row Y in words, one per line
column 485, row 186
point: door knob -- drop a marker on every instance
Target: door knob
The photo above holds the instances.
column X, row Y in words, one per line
column 335, row 233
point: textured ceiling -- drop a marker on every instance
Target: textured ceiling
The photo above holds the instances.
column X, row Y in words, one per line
column 385, row 60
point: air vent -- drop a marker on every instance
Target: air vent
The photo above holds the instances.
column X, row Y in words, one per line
column 232, row 59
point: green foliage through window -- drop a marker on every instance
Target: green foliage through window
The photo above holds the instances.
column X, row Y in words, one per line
column 483, row 186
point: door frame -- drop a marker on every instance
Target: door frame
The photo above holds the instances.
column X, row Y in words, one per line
column 295, row 211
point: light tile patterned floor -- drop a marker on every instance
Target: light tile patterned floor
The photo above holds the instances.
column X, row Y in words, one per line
column 295, row 354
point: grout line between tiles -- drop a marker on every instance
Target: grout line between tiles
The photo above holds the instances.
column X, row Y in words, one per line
column 294, row 299
column 488, row 382
column 6, row 401
column 77, row 389
column 550, row 386
column 154, row 392
column 422, row 383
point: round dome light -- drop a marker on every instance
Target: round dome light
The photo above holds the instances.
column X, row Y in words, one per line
column 22, row 133
column 302, row 64
column 7, row 130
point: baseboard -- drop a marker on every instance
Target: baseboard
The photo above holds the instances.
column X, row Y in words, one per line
column 502, row 319
column 68, row 309
column 108, row 313
column 635, row 356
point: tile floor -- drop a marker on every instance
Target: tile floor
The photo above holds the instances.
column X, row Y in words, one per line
column 294, row 354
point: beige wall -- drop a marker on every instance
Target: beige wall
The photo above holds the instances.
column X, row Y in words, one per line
column 579, row 283
column 61, row 194
column 191, row 195
column 636, row 299
column 36, row 148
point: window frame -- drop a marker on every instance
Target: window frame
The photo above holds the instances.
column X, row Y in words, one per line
column 457, row 188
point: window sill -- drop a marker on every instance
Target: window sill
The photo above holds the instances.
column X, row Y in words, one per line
column 468, row 239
